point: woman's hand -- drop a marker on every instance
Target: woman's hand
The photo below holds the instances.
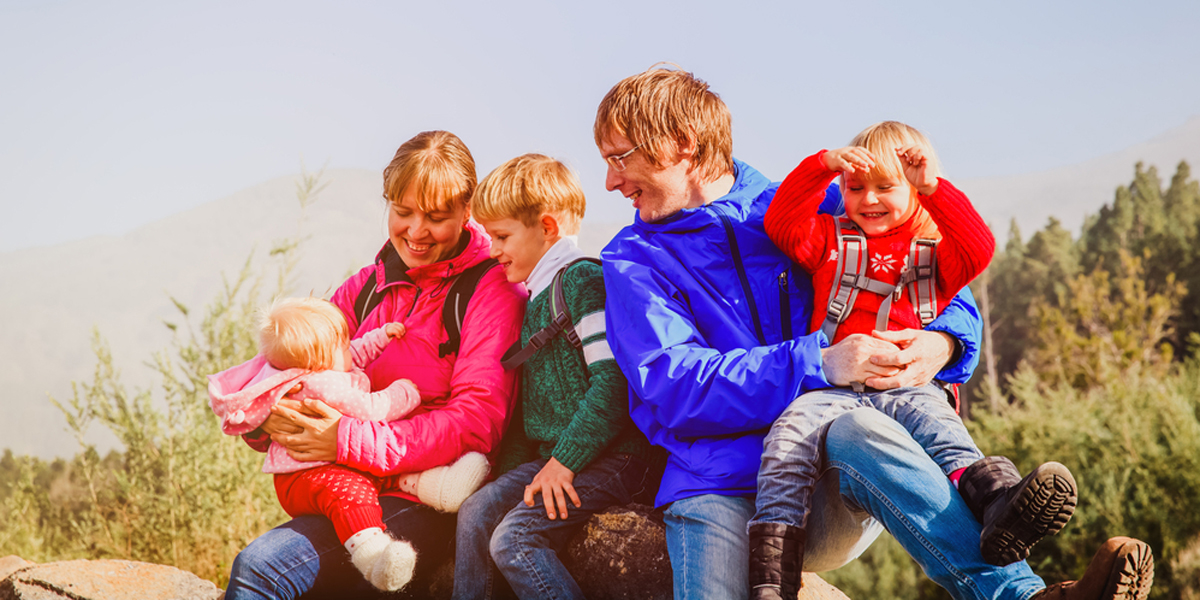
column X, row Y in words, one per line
column 916, row 169
column 852, row 359
column 318, row 429
column 921, row 355
column 554, row 482
column 850, row 159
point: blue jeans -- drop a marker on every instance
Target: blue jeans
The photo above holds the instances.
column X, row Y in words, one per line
column 876, row 477
column 791, row 452
column 497, row 530
column 303, row 557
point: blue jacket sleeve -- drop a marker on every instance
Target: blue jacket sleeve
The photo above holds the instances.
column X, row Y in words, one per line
column 680, row 379
column 961, row 319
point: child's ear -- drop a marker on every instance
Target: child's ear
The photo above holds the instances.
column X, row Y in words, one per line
column 550, row 231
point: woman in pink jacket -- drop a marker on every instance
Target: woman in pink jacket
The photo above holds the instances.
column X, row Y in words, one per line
column 466, row 396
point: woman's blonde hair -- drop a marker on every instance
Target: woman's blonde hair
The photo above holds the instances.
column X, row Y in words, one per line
column 528, row 186
column 662, row 108
column 883, row 138
column 438, row 166
column 302, row 333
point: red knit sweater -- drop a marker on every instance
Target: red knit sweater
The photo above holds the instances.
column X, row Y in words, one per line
column 810, row 239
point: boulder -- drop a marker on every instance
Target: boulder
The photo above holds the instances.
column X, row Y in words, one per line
column 104, row 580
column 621, row 554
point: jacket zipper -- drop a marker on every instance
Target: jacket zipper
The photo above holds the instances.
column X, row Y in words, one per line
column 785, row 307
column 741, row 270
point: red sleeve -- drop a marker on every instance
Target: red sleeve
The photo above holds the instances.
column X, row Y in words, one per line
column 792, row 220
column 967, row 243
column 481, row 397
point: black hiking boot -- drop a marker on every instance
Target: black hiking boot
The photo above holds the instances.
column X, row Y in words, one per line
column 1123, row 569
column 776, row 557
column 1016, row 513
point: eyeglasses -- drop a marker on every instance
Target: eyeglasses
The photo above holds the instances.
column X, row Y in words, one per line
column 618, row 161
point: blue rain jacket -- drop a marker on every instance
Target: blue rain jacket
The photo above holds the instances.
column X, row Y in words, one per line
column 714, row 351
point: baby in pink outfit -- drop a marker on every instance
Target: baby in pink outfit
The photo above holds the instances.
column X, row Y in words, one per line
column 307, row 341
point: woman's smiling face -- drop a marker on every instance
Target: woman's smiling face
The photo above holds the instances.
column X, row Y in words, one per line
column 423, row 238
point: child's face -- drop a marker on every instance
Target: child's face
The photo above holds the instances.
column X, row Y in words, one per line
column 878, row 205
column 342, row 359
column 423, row 238
column 517, row 246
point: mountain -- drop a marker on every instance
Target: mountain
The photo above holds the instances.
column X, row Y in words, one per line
column 122, row 285
column 1069, row 193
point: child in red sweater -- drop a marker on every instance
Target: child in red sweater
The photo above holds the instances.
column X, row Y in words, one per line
column 894, row 203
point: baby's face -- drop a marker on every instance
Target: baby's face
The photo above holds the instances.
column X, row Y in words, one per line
column 342, row 359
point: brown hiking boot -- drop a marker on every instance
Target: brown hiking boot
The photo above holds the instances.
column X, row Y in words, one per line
column 1123, row 569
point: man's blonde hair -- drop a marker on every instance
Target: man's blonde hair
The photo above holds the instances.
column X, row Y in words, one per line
column 438, row 166
column 528, row 186
column 660, row 109
column 883, row 138
column 302, row 333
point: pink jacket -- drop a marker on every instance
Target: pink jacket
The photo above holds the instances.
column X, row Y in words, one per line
column 466, row 399
column 242, row 396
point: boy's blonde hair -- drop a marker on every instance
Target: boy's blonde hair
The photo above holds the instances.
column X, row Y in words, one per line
column 438, row 166
column 883, row 138
column 302, row 333
column 661, row 108
column 528, row 186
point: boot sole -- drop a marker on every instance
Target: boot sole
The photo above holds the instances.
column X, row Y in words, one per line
column 1041, row 508
column 1132, row 574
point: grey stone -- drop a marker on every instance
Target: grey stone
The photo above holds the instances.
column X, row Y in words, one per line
column 105, row 580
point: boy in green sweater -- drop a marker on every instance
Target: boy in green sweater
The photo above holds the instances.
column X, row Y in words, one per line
column 572, row 417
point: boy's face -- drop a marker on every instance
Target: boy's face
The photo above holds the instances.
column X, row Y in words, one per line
column 517, row 246
column 878, row 205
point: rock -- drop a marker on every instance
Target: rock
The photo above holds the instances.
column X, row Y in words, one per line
column 105, row 580
column 11, row 564
column 621, row 553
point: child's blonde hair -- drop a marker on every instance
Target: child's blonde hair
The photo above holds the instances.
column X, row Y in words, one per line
column 528, row 186
column 302, row 333
column 438, row 166
column 660, row 108
column 883, row 138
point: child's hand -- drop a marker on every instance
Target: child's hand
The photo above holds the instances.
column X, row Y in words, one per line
column 916, row 169
column 554, row 481
column 394, row 330
column 851, row 159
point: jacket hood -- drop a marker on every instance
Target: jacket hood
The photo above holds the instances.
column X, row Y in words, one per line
column 242, row 396
column 390, row 269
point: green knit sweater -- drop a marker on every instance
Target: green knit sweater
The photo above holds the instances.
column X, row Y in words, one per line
column 574, row 404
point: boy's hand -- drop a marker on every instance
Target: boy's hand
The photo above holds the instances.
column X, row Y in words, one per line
column 916, row 169
column 554, row 481
column 394, row 331
column 850, row 159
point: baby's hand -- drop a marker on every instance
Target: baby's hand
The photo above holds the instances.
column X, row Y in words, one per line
column 851, row 159
column 394, row 330
column 916, row 169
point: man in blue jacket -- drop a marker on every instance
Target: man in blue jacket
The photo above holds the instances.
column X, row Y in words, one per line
column 707, row 319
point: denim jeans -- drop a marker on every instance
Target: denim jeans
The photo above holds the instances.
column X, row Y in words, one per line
column 303, row 557
column 791, row 452
column 876, row 477
column 497, row 531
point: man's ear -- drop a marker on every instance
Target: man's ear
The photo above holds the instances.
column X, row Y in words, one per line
column 686, row 145
column 550, row 229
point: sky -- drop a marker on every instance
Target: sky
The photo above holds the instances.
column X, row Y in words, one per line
column 117, row 114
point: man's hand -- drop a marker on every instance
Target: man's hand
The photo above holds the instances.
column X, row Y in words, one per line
column 554, row 482
column 921, row 355
column 318, row 429
column 851, row 360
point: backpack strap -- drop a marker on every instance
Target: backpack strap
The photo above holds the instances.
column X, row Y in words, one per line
column 851, row 267
column 454, row 309
column 560, row 321
column 922, row 258
column 367, row 299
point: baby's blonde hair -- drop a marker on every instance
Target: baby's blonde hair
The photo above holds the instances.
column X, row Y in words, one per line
column 883, row 138
column 302, row 333
column 435, row 164
column 528, row 186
